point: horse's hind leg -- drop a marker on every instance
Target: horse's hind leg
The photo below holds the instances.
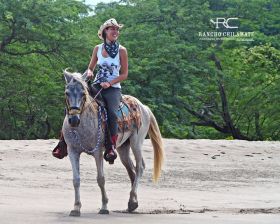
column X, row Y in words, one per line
column 75, row 162
column 101, row 182
column 136, row 141
column 126, row 160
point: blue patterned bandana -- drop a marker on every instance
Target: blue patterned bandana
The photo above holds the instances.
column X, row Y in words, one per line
column 112, row 49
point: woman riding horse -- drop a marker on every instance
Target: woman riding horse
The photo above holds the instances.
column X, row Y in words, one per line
column 112, row 68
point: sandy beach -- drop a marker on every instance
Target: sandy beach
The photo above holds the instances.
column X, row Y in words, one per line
column 203, row 181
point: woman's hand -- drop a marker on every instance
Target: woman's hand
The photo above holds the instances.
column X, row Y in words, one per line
column 105, row 85
column 89, row 74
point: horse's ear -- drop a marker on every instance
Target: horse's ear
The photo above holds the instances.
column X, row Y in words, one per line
column 68, row 76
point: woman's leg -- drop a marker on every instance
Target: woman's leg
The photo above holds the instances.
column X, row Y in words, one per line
column 112, row 97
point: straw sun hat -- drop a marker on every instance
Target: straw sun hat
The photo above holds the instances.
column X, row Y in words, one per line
column 108, row 23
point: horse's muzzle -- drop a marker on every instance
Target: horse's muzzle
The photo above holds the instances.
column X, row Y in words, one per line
column 74, row 120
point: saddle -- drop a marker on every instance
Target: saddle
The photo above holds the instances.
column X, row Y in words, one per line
column 128, row 114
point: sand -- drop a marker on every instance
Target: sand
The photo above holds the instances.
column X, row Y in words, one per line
column 203, row 181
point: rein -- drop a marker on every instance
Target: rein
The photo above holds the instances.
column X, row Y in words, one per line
column 97, row 94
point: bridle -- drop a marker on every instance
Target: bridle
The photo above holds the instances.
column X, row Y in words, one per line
column 75, row 110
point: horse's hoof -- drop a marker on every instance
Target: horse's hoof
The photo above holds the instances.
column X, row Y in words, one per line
column 75, row 213
column 132, row 206
column 103, row 212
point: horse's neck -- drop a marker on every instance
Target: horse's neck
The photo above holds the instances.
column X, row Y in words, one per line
column 88, row 122
column 90, row 110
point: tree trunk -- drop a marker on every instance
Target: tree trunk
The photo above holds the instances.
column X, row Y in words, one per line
column 257, row 126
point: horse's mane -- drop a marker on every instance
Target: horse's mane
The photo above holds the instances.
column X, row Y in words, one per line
column 79, row 77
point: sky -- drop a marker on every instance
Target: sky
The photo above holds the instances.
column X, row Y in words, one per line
column 94, row 2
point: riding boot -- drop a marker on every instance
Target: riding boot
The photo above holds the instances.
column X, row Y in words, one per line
column 60, row 151
column 110, row 155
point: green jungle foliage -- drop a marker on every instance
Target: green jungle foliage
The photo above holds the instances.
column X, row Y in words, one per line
column 223, row 88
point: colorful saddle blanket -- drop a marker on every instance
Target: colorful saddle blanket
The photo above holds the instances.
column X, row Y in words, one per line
column 128, row 114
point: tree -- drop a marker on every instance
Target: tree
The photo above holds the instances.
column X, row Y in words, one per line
column 37, row 40
column 197, row 89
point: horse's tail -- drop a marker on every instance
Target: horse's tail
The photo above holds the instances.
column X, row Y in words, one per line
column 156, row 139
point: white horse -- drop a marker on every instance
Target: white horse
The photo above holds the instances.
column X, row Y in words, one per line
column 81, row 131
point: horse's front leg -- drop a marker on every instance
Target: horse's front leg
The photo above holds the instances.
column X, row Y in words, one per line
column 101, row 181
column 75, row 162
